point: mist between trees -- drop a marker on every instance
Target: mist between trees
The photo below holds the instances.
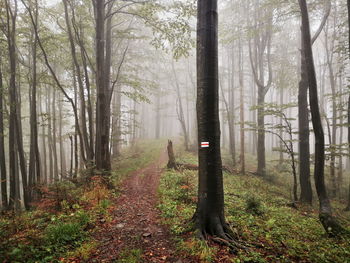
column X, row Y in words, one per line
column 82, row 80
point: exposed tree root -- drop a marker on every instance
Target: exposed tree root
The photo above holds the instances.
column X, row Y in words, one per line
column 331, row 226
column 219, row 233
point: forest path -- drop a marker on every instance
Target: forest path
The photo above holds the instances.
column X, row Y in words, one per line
column 136, row 230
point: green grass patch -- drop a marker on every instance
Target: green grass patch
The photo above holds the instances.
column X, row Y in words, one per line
column 258, row 212
column 130, row 256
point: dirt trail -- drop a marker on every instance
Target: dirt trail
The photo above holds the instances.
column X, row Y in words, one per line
column 136, row 222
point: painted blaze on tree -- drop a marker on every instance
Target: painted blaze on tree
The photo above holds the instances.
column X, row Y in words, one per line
column 209, row 216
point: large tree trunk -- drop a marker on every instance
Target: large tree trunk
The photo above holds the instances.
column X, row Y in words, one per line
column 209, row 215
column 102, row 155
column 303, row 113
column 329, row 223
column 15, row 140
column 304, row 145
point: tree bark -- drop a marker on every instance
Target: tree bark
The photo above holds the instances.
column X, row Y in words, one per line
column 304, row 133
column 34, row 157
column 329, row 223
column 3, row 171
column 102, row 83
column 303, row 113
column 209, row 216
column 171, row 162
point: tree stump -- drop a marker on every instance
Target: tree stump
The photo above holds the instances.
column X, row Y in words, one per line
column 172, row 162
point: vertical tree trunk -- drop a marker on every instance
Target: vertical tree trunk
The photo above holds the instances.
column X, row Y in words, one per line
column 303, row 113
column 15, row 133
column 348, row 4
column 102, row 83
column 281, row 130
column 171, row 156
column 209, row 215
column 61, row 142
column 86, row 146
column 76, row 131
column 54, row 136
column 231, row 111
column 43, row 143
column 262, row 45
column 179, row 110
column 49, row 135
column 241, row 107
column 304, row 145
column 3, row 172
column 329, row 223
column 158, row 113
column 116, row 122
column 34, row 157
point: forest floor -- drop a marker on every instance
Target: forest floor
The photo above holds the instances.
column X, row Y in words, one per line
column 135, row 232
column 146, row 218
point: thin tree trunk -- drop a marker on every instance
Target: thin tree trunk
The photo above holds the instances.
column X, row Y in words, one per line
column 43, row 142
column 262, row 45
column 60, row 135
column 241, row 107
column 2, row 146
column 86, row 147
column 180, row 112
column 231, row 111
column 34, row 157
column 49, row 135
column 348, row 4
column 54, row 136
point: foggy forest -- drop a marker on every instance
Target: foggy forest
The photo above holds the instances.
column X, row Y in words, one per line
column 175, row 131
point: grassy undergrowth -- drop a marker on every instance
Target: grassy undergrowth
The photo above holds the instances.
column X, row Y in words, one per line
column 60, row 228
column 258, row 212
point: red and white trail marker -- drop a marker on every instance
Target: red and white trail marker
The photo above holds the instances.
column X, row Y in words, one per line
column 204, row 144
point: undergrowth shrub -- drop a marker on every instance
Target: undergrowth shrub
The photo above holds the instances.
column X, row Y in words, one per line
column 63, row 233
column 254, row 206
column 54, row 195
